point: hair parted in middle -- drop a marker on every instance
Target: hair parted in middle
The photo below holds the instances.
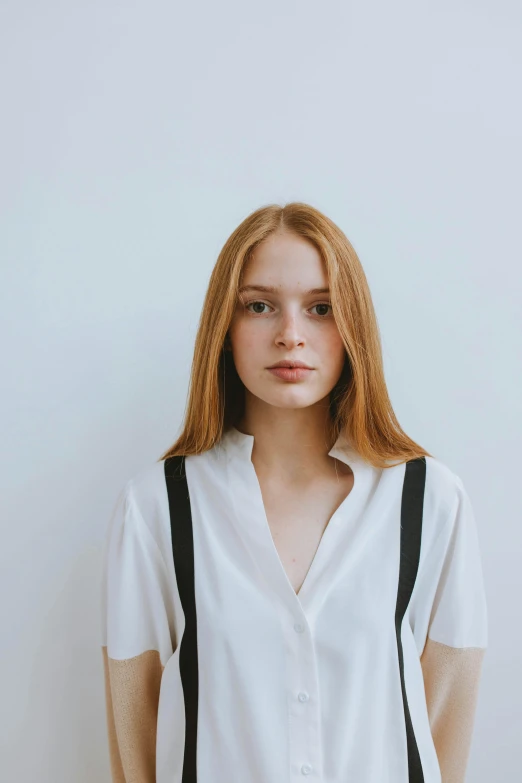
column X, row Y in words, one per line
column 360, row 406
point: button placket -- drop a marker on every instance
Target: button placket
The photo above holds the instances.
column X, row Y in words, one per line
column 303, row 706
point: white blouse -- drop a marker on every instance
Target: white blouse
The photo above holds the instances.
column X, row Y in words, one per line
column 290, row 686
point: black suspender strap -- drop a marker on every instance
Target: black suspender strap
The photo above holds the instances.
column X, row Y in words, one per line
column 183, row 553
column 411, row 533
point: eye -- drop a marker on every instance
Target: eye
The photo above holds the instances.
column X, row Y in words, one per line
column 256, row 302
column 323, row 304
column 258, row 305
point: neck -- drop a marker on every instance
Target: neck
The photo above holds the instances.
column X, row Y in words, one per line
column 289, row 440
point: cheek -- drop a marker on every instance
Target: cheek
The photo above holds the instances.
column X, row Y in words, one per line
column 246, row 343
column 335, row 347
column 241, row 335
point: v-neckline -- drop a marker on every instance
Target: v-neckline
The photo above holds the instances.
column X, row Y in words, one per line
column 320, row 547
column 252, row 519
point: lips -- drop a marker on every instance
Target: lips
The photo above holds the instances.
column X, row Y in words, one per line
column 290, row 365
column 290, row 373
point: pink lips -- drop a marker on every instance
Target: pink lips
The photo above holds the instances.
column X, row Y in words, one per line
column 290, row 373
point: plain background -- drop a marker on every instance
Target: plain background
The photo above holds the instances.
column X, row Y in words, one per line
column 135, row 137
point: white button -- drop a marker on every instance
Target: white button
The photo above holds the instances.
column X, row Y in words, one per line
column 306, row 769
column 303, row 697
column 299, row 628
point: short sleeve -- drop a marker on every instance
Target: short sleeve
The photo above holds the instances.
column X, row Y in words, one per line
column 137, row 596
column 459, row 611
column 136, row 639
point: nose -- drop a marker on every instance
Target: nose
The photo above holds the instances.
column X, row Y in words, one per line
column 290, row 331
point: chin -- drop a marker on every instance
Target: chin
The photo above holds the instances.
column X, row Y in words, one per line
column 289, row 396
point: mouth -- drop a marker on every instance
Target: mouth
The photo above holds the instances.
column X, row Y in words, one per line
column 284, row 363
column 290, row 371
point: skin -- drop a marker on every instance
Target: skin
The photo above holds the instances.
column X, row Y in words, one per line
column 301, row 485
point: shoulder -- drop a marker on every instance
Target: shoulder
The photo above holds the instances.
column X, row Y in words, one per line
column 447, row 506
column 147, row 489
column 148, row 484
column 443, row 486
column 143, row 505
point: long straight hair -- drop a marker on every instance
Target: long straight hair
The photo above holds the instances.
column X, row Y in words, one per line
column 360, row 406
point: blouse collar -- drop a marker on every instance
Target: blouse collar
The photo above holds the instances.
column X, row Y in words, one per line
column 241, row 444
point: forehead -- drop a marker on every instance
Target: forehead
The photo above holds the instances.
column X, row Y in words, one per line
column 287, row 262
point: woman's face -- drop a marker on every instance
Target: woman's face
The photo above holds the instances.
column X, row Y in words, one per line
column 291, row 321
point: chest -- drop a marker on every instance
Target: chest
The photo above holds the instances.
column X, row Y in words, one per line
column 298, row 517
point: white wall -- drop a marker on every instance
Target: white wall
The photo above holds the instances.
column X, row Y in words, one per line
column 135, row 137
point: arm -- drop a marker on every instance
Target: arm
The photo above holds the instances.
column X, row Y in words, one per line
column 456, row 640
column 451, row 680
column 132, row 689
column 135, row 641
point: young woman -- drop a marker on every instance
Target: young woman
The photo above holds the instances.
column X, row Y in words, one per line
column 294, row 590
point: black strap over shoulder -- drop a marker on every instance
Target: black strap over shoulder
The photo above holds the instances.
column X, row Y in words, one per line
column 183, row 553
column 411, row 535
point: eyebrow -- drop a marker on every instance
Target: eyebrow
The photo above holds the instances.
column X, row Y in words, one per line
column 270, row 289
